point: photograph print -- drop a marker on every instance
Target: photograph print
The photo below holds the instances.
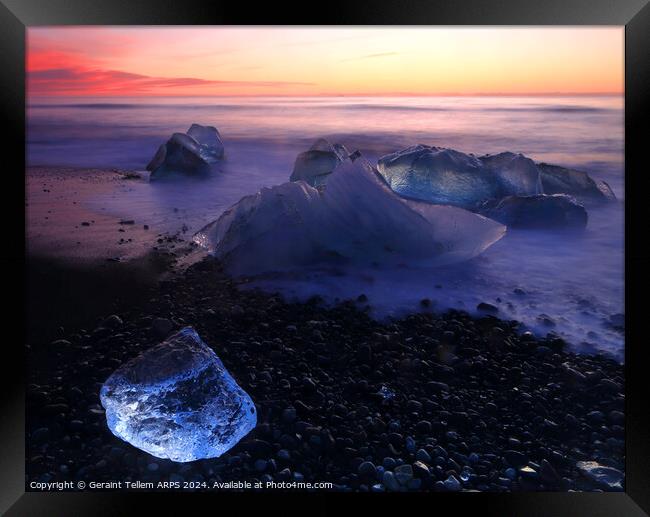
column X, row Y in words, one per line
column 325, row 259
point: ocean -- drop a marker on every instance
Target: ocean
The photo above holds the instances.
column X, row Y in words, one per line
column 574, row 281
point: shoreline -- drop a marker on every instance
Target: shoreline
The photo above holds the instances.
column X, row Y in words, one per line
column 464, row 388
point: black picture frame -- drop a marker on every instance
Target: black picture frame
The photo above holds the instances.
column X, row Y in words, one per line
column 16, row 15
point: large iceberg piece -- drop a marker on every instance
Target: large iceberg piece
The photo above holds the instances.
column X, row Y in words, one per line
column 356, row 218
column 516, row 174
column 560, row 180
column 445, row 176
column 541, row 211
column 439, row 175
column 177, row 401
column 192, row 153
column 313, row 166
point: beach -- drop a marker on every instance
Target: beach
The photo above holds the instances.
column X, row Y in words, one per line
column 440, row 400
column 502, row 373
column 573, row 285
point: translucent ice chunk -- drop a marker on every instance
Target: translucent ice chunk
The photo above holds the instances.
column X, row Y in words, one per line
column 560, row 180
column 192, row 153
column 356, row 218
column 177, row 401
column 517, row 174
column 541, row 211
column 313, row 166
column 446, row 176
column 439, row 175
column 209, row 138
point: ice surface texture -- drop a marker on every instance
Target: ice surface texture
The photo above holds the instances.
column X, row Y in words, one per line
column 178, row 401
column 446, row 176
column 559, row 180
column 313, row 166
column 192, row 153
column 541, row 211
column 355, row 219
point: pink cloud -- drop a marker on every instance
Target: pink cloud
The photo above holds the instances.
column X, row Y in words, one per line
column 78, row 80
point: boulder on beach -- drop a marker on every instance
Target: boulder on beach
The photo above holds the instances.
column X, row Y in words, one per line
column 560, row 180
column 314, row 165
column 178, row 401
column 540, row 211
column 355, row 218
column 192, row 153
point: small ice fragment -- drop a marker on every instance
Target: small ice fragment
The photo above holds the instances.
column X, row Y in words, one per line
column 187, row 153
column 210, row 140
column 386, row 393
column 313, row 166
column 177, row 401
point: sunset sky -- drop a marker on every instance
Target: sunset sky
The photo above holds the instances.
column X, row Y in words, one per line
column 206, row 61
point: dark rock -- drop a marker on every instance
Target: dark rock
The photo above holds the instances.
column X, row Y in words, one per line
column 515, row 459
column 390, row 482
column 548, row 474
column 162, row 327
column 420, row 470
column 113, row 322
column 289, row 415
column 403, row 474
column 452, row 484
column 487, row 307
column 423, row 456
column 606, row 477
column 367, row 469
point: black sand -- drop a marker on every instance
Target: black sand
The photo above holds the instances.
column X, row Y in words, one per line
column 476, row 405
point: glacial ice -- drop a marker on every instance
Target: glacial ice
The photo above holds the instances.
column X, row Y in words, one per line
column 178, row 401
column 445, row 176
column 356, row 219
column 209, row 138
column 438, row 175
column 540, row 211
column 192, row 153
column 517, row 174
column 313, row 166
column 560, row 180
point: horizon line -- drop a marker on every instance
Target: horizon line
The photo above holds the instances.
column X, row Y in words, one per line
column 387, row 94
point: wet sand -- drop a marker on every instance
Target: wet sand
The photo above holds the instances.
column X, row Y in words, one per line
column 83, row 261
column 61, row 222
